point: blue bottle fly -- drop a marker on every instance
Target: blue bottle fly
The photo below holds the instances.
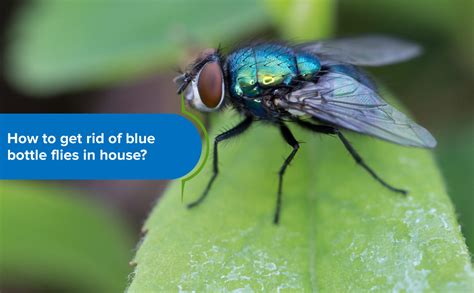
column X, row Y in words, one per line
column 317, row 85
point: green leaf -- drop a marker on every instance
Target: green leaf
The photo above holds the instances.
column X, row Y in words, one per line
column 49, row 235
column 340, row 230
column 70, row 45
column 303, row 20
column 457, row 162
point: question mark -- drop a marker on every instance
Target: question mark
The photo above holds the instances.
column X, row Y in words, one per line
column 144, row 152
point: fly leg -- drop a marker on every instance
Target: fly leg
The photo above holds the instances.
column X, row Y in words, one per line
column 316, row 127
column 233, row 132
column 361, row 162
column 332, row 130
column 290, row 139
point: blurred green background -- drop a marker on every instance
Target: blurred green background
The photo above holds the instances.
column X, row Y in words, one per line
column 120, row 56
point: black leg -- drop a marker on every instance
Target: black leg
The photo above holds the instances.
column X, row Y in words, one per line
column 290, row 139
column 361, row 162
column 238, row 129
column 332, row 130
column 316, row 128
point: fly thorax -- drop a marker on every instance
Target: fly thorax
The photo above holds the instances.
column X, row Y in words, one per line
column 247, row 86
column 268, row 77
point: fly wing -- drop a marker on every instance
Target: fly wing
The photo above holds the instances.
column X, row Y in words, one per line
column 373, row 50
column 340, row 100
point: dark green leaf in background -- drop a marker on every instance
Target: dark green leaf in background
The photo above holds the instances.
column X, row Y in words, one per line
column 457, row 161
column 54, row 237
column 71, row 45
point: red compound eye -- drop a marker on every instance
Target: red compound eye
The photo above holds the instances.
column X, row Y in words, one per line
column 210, row 84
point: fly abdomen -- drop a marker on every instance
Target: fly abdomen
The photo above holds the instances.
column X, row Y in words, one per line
column 308, row 65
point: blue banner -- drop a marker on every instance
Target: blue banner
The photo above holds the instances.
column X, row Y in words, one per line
column 97, row 146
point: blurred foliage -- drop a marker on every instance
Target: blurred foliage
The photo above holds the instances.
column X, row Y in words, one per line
column 70, row 45
column 340, row 230
column 52, row 236
column 303, row 20
column 457, row 161
column 444, row 27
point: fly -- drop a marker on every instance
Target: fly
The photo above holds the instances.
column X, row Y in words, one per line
column 317, row 85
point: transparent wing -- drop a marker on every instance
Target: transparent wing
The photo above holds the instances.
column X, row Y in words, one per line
column 341, row 100
column 373, row 50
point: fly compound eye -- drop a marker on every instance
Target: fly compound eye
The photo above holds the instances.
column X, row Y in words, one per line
column 209, row 87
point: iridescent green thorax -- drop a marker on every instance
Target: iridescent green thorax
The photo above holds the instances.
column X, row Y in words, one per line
column 275, row 65
column 254, row 69
column 243, row 73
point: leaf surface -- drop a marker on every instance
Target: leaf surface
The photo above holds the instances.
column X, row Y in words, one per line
column 340, row 230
